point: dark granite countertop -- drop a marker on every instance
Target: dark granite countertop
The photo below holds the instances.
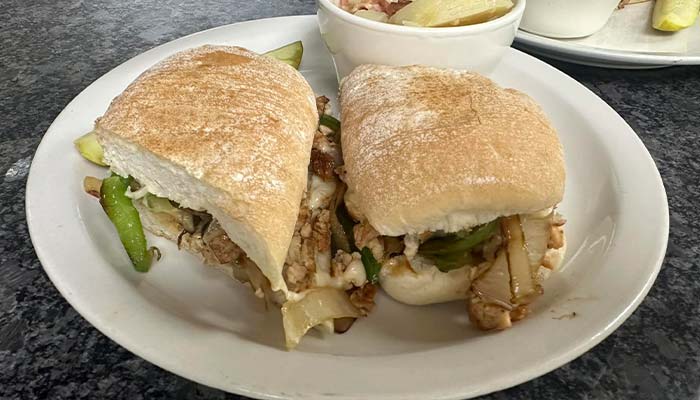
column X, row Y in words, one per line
column 51, row 50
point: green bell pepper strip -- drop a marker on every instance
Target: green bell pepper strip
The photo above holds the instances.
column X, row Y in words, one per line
column 458, row 243
column 372, row 267
column 330, row 122
column 125, row 217
column 448, row 262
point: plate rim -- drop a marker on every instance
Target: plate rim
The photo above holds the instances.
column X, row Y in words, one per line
column 244, row 389
column 615, row 58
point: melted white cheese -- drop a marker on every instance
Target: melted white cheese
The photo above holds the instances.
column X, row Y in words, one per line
column 323, row 261
column 542, row 213
column 324, row 279
column 411, row 243
column 321, row 192
column 354, row 275
column 137, row 194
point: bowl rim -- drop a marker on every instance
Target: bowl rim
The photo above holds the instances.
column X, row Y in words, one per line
column 510, row 18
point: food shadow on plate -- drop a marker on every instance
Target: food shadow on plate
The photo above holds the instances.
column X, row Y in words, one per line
column 181, row 286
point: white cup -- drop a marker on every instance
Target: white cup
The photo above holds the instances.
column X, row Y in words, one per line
column 567, row 18
column 354, row 40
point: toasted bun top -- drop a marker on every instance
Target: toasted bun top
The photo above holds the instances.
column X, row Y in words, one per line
column 222, row 129
column 430, row 149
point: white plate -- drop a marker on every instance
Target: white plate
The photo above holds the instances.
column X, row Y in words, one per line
column 192, row 321
column 599, row 57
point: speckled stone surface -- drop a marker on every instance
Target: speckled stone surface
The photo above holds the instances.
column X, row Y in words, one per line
column 51, row 50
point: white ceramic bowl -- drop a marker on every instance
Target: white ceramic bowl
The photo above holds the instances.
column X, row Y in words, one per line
column 354, row 40
column 567, row 18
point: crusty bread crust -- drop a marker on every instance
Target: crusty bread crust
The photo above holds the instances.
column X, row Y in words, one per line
column 431, row 149
column 223, row 129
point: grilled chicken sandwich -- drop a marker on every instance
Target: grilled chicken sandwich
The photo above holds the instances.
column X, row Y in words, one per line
column 219, row 149
column 453, row 183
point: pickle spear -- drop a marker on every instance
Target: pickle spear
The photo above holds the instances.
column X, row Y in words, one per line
column 90, row 149
column 436, row 13
column 125, row 217
column 674, row 15
column 290, row 54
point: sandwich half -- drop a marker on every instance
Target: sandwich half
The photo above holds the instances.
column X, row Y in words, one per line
column 223, row 155
column 453, row 183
